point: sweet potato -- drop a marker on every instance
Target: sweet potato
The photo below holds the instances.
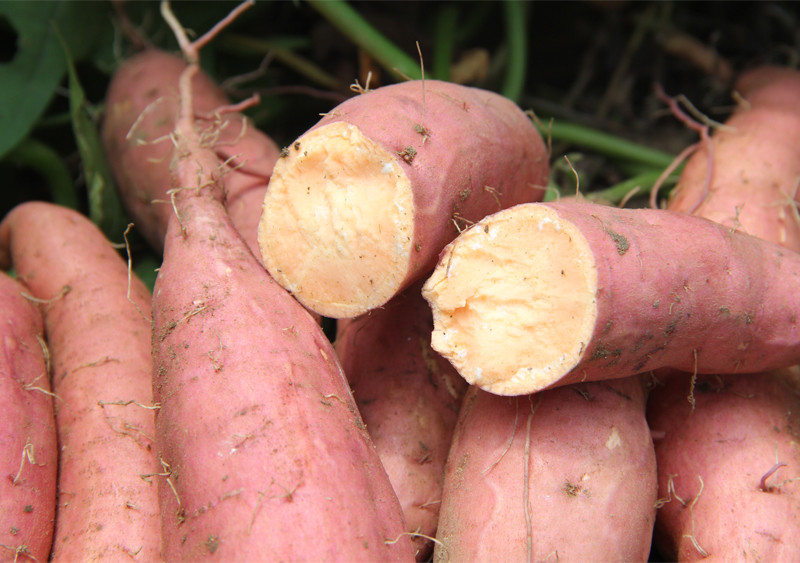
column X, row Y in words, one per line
column 543, row 295
column 142, row 102
column 728, row 466
column 729, row 453
column 28, row 449
column 96, row 317
column 565, row 474
column 752, row 182
column 408, row 396
column 265, row 455
column 363, row 202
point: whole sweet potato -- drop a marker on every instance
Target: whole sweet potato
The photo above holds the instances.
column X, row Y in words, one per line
column 28, row 449
column 755, row 162
column 564, row 474
column 264, row 454
column 409, row 397
column 97, row 322
column 142, row 103
column 728, row 465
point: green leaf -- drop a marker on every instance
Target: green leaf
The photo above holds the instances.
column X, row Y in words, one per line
column 105, row 206
column 31, row 77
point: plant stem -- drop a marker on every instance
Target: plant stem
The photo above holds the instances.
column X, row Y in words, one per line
column 644, row 182
column 605, row 144
column 445, row 39
column 343, row 17
column 517, row 49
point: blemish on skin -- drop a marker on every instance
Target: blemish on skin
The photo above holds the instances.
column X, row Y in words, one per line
column 614, row 439
column 622, row 243
column 408, row 154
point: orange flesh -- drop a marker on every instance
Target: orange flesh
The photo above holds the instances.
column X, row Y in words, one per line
column 337, row 222
column 514, row 301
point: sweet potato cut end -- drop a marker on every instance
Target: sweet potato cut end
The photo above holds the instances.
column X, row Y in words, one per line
column 337, row 222
column 515, row 322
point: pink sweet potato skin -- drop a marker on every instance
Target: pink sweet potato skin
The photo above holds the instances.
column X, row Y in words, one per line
column 476, row 152
column 142, row 102
column 409, row 397
column 265, row 455
column 564, row 474
column 756, row 162
column 99, row 342
column 717, row 453
column 28, row 449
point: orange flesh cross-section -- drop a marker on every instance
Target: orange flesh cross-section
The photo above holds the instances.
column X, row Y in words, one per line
column 514, row 301
column 337, row 222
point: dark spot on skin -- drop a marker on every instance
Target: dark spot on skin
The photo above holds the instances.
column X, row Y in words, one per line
column 622, row 243
column 408, row 154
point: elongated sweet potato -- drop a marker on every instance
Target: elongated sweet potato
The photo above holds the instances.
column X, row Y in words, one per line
column 363, row 202
column 409, row 397
column 97, row 323
column 752, row 183
column 142, row 102
column 565, row 474
column 730, row 453
column 265, row 455
column 543, row 295
column 28, row 449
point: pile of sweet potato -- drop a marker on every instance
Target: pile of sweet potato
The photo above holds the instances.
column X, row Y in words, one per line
column 509, row 380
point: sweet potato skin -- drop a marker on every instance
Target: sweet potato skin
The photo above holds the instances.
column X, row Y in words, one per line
column 247, row 431
column 409, row 397
column 99, row 342
column 756, row 162
column 142, row 102
column 253, row 400
column 713, row 458
column 28, row 448
column 527, row 475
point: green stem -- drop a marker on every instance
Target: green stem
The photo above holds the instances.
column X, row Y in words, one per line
column 517, row 49
column 644, row 182
column 445, row 39
column 350, row 23
column 46, row 162
column 605, row 144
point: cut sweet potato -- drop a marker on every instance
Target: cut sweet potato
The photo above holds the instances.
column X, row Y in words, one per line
column 361, row 205
column 543, row 295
